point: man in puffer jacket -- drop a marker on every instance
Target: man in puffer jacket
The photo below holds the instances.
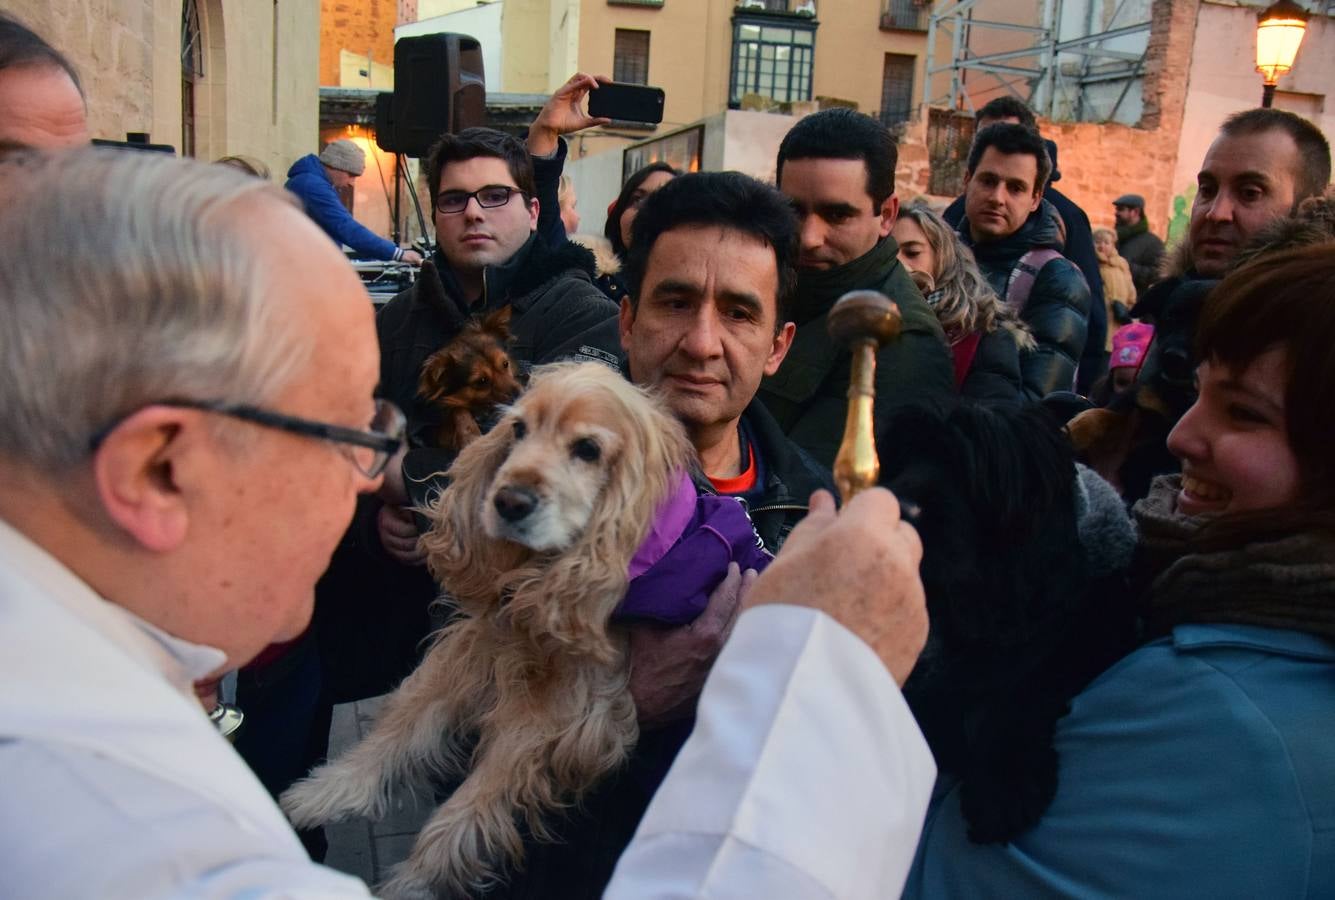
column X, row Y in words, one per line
column 1016, row 238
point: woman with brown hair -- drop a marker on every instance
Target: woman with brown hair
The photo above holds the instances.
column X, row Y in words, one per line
column 1202, row 764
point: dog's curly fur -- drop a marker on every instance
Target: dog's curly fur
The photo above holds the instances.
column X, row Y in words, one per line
column 1017, row 626
column 525, row 691
column 468, row 377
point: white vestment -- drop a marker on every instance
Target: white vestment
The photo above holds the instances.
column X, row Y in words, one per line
column 805, row 776
column 112, row 780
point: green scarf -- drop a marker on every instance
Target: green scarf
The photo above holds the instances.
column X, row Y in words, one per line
column 1282, row 583
column 1126, row 232
column 817, row 289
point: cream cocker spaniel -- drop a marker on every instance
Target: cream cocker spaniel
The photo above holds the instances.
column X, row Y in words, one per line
column 531, row 540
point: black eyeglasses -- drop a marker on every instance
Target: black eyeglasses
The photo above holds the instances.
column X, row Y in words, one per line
column 493, row 195
column 368, row 450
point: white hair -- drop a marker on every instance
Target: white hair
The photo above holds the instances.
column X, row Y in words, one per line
column 127, row 278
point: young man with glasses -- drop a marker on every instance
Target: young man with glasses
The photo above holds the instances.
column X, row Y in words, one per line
column 488, row 257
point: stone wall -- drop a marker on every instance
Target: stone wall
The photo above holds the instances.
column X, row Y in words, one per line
column 363, row 27
column 111, row 44
column 258, row 95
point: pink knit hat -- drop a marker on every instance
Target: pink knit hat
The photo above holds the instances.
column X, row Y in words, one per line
column 1129, row 344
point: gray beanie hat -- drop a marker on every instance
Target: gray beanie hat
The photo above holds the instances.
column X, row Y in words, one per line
column 345, row 156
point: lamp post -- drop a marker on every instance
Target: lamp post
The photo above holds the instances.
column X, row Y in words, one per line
column 1279, row 34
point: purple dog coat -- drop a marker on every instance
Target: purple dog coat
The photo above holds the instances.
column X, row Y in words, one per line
column 686, row 554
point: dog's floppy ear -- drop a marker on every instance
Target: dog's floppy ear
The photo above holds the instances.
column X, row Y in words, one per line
column 433, row 383
column 461, row 557
column 594, row 571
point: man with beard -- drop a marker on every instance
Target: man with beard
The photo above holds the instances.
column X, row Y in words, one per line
column 1142, row 250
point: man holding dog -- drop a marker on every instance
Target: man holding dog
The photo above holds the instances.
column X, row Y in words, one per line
column 711, row 277
column 1016, row 237
column 169, row 497
column 837, row 168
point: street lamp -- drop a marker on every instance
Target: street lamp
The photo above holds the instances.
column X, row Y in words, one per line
column 1279, row 33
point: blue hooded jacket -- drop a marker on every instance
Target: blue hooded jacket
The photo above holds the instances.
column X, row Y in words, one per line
column 307, row 179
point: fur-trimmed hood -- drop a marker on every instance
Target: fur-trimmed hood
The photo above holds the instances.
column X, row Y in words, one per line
column 604, row 257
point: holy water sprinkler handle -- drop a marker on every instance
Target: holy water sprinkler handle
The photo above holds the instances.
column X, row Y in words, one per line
column 864, row 321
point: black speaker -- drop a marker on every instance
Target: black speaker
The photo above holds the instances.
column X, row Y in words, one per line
column 439, row 87
column 386, row 135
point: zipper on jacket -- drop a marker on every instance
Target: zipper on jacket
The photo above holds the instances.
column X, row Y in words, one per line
column 776, row 507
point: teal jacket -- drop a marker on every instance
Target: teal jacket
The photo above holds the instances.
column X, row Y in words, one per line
column 1201, row 765
column 808, row 396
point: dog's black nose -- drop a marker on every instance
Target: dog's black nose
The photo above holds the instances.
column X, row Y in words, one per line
column 514, row 503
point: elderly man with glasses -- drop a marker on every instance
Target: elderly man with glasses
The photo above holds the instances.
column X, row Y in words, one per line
column 189, row 419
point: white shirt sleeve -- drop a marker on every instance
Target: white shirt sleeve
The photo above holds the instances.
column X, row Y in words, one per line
column 805, row 777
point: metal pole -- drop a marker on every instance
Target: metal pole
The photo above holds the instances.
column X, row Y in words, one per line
column 1268, row 95
column 398, row 216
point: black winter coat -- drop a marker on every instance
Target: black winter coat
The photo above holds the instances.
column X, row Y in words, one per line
column 1079, row 249
column 1143, row 253
column 557, row 312
column 994, row 377
column 808, row 396
column 791, row 474
column 1057, row 311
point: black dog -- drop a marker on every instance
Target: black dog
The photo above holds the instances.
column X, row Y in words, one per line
column 1023, row 613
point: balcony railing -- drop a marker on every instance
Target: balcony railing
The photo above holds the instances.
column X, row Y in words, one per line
column 905, row 15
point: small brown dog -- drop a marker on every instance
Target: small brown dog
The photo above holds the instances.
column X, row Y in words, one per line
column 469, row 377
column 532, row 540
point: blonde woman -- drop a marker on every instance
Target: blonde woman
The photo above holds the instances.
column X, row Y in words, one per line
column 985, row 336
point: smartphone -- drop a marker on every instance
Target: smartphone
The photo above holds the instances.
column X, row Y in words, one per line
column 627, row 103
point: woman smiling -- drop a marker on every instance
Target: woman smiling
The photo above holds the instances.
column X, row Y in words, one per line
column 1203, row 763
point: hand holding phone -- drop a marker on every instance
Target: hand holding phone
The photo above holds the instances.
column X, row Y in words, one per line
column 627, row 102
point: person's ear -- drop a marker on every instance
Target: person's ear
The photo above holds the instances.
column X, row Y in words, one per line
column 626, row 321
column 137, row 472
column 533, row 206
column 779, row 349
column 889, row 212
column 1036, row 200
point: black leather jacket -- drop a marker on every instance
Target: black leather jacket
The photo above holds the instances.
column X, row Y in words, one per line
column 1057, row 311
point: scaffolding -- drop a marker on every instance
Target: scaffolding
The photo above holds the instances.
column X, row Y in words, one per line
column 1080, row 60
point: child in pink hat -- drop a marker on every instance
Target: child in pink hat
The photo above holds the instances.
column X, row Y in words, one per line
column 1129, row 346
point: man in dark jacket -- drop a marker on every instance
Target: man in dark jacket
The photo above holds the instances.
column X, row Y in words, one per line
column 1142, row 251
column 710, row 270
column 1016, row 239
column 317, row 181
column 1079, row 245
column 837, row 168
column 488, row 257
column 711, row 277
